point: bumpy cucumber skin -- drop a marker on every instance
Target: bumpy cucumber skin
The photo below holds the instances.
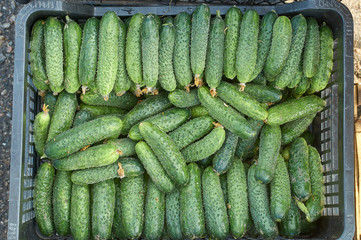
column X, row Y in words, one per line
column 311, row 53
column 205, row 162
column 241, row 101
column 154, row 212
column 260, row 79
column 286, row 152
column 199, row 38
column 181, row 57
column 41, row 128
column 205, row 147
column 172, row 215
column 198, row 111
column 132, row 205
column 223, row 158
column 183, row 99
column 299, row 169
column 290, row 226
column 301, row 88
column 55, row 89
column 295, row 109
column 237, row 199
column 269, row 147
column 294, row 129
column 89, row 53
column 214, row 60
column 264, row 41
column 296, row 78
column 320, row 79
column 263, row 93
column 53, row 39
column 43, row 188
column 117, row 222
column 125, row 145
column 246, row 144
column 233, row 21
column 80, row 212
column 63, row 114
column 247, row 46
column 81, row 117
column 81, row 136
column 215, row 209
column 126, row 101
column 280, row 47
column 50, row 101
column 259, row 206
column 227, row 116
column 99, row 111
column 167, row 152
column 153, row 167
column 280, row 191
column 103, row 204
column 192, row 213
column 108, row 53
column 223, row 181
column 191, row 131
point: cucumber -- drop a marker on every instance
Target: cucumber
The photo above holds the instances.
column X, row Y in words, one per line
column 125, row 145
column 72, row 42
column 117, row 222
column 183, row 99
column 280, row 47
column 223, row 180
column 237, row 199
column 294, row 129
column 198, row 111
column 241, row 101
column 43, row 187
column 99, row 111
column 260, row 79
column 80, row 212
column 154, row 212
column 205, row 162
column 280, row 191
column 181, row 55
column 53, row 41
column 320, row 79
column 63, row 114
column 264, row 41
column 124, row 167
column 81, row 117
column 227, row 116
column 97, row 156
column 167, row 152
column 103, row 209
column 50, row 101
column 311, row 53
column 81, row 136
column 232, row 20
column 290, row 226
column 263, row 93
column 41, row 127
column 301, row 88
column 126, row 101
column 214, row 206
column 299, row 169
column 297, row 77
column 191, row 207
column 286, row 152
column 259, row 206
column 269, row 147
column 309, row 137
column 61, row 202
column 246, row 55
column 89, row 54
column 108, row 53
column 201, row 18
column 132, row 204
column 166, row 46
column 223, row 158
column 166, row 121
column 245, row 145
column 55, row 89
column 167, row 20
column 214, row 59
column 154, row 167
column 172, row 215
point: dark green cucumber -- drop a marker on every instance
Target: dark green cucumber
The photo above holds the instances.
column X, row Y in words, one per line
column 41, row 128
column 223, row 180
column 198, row 111
column 263, row 93
column 205, row 162
column 81, row 117
column 63, row 114
column 280, row 47
column 237, row 199
column 241, row 101
column 307, row 228
column 214, row 206
column 297, row 77
column 309, row 137
column 125, row 145
column 191, row 206
column 126, row 101
column 260, row 79
column 290, row 226
column 206, row 146
column 167, row 152
column 233, row 22
column 167, row 20
column 50, row 101
column 301, row 88
column 246, row 56
column 246, row 144
column 172, row 215
column 259, row 206
column 43, row 188
column 294, row 129
column 223, row 158
column 299, row 169
column 103, row 205
column 61, row 202
column 118, row 229
column 184, row 99
column 269, row 147
column 227, row 116
column 153, row 167
column 154, row 212
column 311, row 53
column 98, row 111
column 81, row 136
column 80, row 212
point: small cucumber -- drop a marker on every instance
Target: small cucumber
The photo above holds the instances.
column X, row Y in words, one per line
column 263, row 93
column 311, row 53
column 41, row 128
column 290, row 226
column 184, row 99
column 99, row 111
column 81, row 117
column 245, row 145
column 125, row 146
column 50, row 101
column 301, row 88
column 172, row 215
column 198, row 111
column 126, row 101
column 294, row 129
column 80, row 212
column 118, row 229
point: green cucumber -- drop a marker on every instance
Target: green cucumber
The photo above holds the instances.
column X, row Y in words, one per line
column 309, row 137
column 117, row 222
column 41, row 128
column 205, row 162
column 245, row 145
column 297, row 77
column 290, row 226
column 98, row 111
column 286, row 152
column 55, row 89
column 198, row 111
column 223, row 180
column 260, row 79
column 301, row 88
column 80, row 212
column 263, row 93
column 50, row 101
column 81, row 117
column 126, row 101
column 167, row 20
column 311, row 53
column 172, row 215
column 184, row 99
column 294, row 129
column 125, row 146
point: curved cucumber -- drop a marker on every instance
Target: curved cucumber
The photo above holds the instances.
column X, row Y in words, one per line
column 172, row 215
column 81, row 117
column 41, row 128
column 263, row 93
column 184, row 99
column 80, row 212
column 311, row 53
column 290, row 226
column 125, row 101
column 294, row 129
column 198, row 111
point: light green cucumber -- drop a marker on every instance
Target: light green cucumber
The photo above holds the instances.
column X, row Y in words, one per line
column 41, row 128
column 125, row 101
column 198, row 111
column 80, row 212
column 99, row 111
column 311, row 53
column 184, row 99
column 263, row 93
column 50, row 101
column 125, row 146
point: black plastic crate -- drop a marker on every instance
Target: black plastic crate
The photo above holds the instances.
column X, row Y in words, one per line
column 333, row 127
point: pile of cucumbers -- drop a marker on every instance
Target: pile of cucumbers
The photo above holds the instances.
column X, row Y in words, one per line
column 146, row 133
